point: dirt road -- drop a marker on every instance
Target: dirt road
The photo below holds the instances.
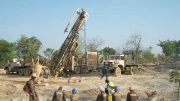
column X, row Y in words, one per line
column 11, row 86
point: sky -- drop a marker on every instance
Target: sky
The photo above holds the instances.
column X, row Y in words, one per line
column 113, row 21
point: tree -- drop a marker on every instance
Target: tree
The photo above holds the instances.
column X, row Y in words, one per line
column 94, row 44
column 108, row 51
column 134, row 44
column 171, row 49
column 177, row 47
column 7, row 51
column 28, row 48
column 48, row 53
column 168, row 47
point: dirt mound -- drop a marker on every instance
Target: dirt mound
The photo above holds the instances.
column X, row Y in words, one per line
column 170, row 65
column 91, row 92
column 144, row 70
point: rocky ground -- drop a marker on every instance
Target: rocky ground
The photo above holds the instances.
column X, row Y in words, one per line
column 148, row 79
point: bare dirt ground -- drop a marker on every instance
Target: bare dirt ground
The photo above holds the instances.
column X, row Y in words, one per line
column 147, row 80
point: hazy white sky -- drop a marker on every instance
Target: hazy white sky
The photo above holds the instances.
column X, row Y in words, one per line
column 113, row 21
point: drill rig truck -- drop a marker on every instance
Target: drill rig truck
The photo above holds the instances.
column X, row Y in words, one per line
column 19, row 67
column 66, row 59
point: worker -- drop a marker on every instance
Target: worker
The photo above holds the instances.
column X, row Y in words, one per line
column 131, row 96
column 74, row 96
column 105, row 70
column 102, row 95
column 32, row 92
column 59, row 95
column 116, row 96
column 110, row 85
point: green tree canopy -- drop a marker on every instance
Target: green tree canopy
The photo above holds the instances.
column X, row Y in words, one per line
column 108, row 51
column 7, row 51
column 28, row 48
column 168, row 47
column 48, row 53
column 177, row 43
column 171, row 49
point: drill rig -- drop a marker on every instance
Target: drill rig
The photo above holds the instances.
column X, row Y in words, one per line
column 65, row 55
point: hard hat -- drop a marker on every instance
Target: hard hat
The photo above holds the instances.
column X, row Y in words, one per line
column 131, row 88
column 74, row 91
column 33, row 75
column 117, row 88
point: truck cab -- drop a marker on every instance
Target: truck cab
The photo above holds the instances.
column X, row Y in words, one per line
column 116, row 60
column 120, row 64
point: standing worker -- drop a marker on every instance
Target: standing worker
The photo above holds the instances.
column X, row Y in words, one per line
column 32, row 92
column 59, row 95
column 74, row 96
column 131, row 96
column 116, row 96
column 105, row 70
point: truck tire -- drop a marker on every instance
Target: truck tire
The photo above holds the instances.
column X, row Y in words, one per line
column 27, row 72
column 84, row 70
column 131, row 72
column 77, row 70
column 135, row 69
column 20, row 72
column 7, row 71
column 117, row 71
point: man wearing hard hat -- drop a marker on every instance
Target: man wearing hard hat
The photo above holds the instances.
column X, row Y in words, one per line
column 74, row 96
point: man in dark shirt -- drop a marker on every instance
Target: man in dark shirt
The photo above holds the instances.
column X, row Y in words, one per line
column 105, row 70
column 131, row 96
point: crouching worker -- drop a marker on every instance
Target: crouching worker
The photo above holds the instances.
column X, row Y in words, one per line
column 116, row 96
column 102, row 95
column 59, row 95
column 74, row 96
